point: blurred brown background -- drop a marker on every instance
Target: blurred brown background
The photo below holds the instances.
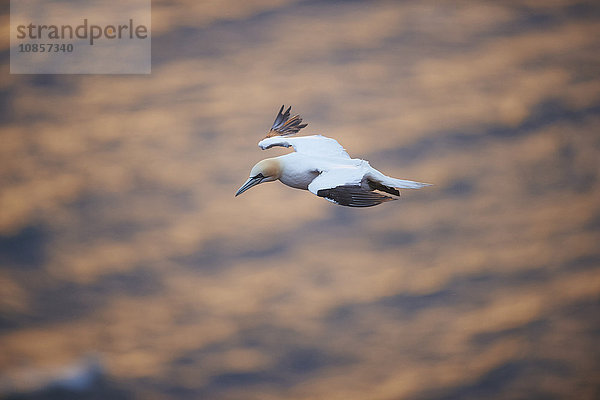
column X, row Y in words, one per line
column 129, row 270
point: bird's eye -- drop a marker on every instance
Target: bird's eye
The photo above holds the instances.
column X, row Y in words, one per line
column 258, row 176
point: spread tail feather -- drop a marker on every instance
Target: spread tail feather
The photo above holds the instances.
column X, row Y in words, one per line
column 405, row 184
column 380, row 179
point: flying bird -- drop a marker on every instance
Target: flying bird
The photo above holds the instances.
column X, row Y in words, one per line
column 322, row 166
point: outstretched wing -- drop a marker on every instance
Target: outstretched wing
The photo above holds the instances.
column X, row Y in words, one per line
column 344, row 186
column 315, row 145
column 284, row 125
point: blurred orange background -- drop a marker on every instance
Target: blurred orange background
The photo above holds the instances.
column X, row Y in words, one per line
column 129, row 270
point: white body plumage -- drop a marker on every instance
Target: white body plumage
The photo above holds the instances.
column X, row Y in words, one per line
column 322, row 166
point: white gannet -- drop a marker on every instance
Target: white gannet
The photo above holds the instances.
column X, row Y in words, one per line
column 322, row 166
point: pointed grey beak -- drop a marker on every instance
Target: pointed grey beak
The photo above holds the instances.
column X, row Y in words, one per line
column 249, row 183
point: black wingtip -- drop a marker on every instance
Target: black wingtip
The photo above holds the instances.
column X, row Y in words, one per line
column 284, row 125
column 353, row 196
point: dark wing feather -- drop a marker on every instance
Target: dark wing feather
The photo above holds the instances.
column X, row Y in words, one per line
column 284, row 125
column 353, row 196
column 379, row 186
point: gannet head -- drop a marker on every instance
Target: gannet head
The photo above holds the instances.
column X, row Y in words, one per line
column 264, row 171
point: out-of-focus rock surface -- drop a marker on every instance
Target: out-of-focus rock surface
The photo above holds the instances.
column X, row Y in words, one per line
column 120, row 235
